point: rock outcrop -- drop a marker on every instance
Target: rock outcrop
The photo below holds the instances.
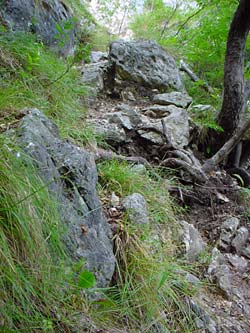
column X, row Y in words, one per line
column 145, row 63
column 139, row 130
column 52, row 21
column 71, row 176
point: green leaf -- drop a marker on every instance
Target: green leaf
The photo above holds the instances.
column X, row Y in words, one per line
column 163, row 279
column 86, row 280
column 59, row 28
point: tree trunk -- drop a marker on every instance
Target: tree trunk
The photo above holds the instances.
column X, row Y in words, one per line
column 234, row 84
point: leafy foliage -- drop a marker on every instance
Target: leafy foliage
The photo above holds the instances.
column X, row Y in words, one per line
column 197, row 34
column 86, row 280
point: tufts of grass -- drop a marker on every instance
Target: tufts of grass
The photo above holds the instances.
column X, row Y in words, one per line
column 32, row 76
column 36, row 289
column 119, row 177
column 150, row 289
column 150, row 292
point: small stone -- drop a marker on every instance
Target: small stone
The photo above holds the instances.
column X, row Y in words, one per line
column 140, row 169
column 228, row 230
column 240, row 240
column 223, row 280
column 176, row 98
column 120, row 119
column 136, row 206
column 114, row 200
column 217, row 259
column 246, row 252
column 192, row 279
column 240, row 263
column 192, row 240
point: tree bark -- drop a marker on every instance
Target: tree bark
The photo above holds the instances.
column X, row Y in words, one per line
column 234, row 84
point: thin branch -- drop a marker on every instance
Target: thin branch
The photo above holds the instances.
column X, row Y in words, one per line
column 168, row 20
column 225, row 150
column 187, row 20
column 184, row 67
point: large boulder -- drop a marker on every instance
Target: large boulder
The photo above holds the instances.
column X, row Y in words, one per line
column 71, row 175
column 51, row 20
column 145, row 63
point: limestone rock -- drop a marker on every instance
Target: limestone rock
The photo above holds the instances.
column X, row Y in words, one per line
column 192, row 241
column 42, row 18
column 120, row 119
column 93, row 76
column 176, row 124
column 239, row 263
column 97, row 56
column 136, row 207
column 176, row 98
column 228, row 230
column 240, row 239
column 71, row 175
column 110, row 132
column 219, row 272
column 146, row 63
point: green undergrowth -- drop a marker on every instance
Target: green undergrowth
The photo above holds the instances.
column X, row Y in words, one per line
column 32, row 76
column 36, row 285
column 120, row 178
column 149, row 287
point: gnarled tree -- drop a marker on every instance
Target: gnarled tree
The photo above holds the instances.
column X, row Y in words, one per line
column 235, row 87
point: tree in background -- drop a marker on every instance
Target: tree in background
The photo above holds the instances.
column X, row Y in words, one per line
column 235, row 86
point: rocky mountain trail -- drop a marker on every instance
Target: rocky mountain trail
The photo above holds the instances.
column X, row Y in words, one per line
column 136, row 119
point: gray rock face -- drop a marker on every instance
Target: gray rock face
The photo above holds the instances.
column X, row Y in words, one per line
column 146, row 63
column 220, row 273
column 93, row 76
column 122, row 123
column 42, row 18
column 71, row 175
column 177, row 126
column 192, row 241
column 240, row 240
column 228, row 230
column 97, row 56
column 175, row 98
column 136, row 206
column 110, row 132
column 239, row 263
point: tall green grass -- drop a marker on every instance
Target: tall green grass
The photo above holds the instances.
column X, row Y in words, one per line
column 35, row 289
column 149, row 287
column 33, row 76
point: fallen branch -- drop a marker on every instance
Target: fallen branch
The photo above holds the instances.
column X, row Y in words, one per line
column 184, row 67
